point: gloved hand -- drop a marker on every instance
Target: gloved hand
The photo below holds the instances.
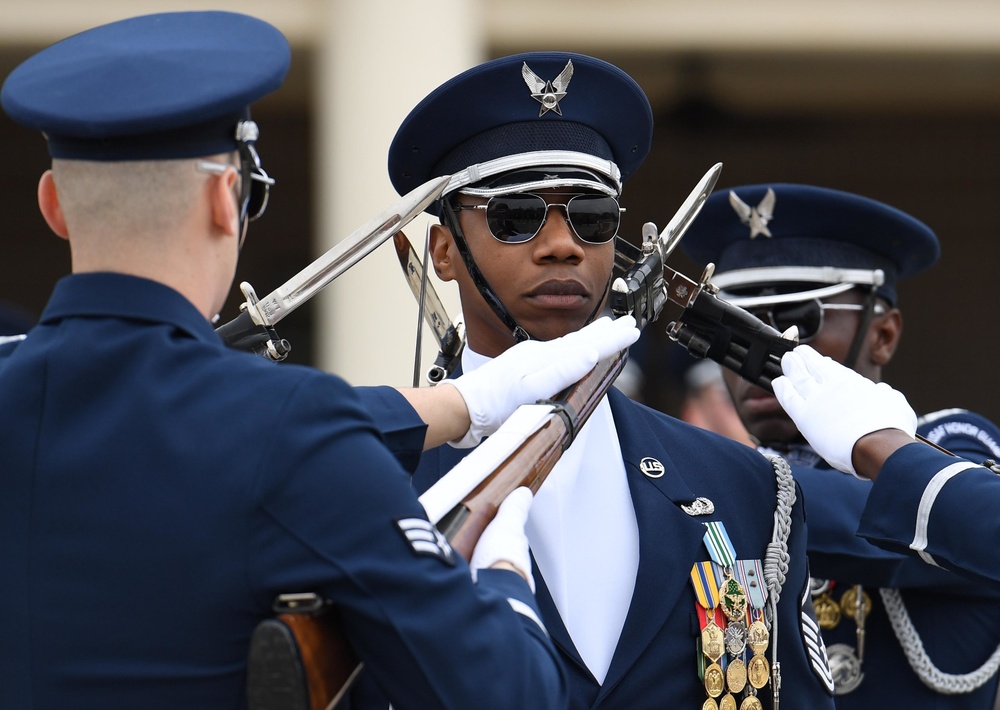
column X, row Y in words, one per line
column 504, row 538
column 533, row 370
column 833, row 406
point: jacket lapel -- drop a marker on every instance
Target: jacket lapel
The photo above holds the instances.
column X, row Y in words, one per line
column 666, row 534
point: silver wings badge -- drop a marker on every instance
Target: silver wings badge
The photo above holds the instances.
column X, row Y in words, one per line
column 548, row 93
column 755, row 217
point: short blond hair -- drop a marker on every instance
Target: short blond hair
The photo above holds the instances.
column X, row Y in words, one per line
column 127, row 197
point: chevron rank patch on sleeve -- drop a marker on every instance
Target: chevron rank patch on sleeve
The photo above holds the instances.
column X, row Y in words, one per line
column 813, row 641
column 425, row 539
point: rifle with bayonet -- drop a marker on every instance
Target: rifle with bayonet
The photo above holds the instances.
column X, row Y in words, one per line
column 253, row 329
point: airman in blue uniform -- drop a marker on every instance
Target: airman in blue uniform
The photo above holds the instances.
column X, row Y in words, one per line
column 899, row 632
column 159, row 490
column 644, row 519
column 924, row 502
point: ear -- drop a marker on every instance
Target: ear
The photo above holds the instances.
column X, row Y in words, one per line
column 884, row 334
column 223, row 210
column 444, row 253
column 48, row 204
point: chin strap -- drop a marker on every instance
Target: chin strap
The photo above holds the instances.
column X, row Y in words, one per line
column 866, row 319
column 482, row 285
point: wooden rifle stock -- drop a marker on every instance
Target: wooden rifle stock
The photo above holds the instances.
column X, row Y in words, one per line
column 532, row 461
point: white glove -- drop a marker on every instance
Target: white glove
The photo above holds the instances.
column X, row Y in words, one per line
column 534, row 370
column 504, row 538
column 834, row 406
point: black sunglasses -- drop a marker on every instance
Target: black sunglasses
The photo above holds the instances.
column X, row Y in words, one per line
column 517, row 218
column 807, row 316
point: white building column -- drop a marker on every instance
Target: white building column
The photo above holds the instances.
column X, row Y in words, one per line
column 376, row 60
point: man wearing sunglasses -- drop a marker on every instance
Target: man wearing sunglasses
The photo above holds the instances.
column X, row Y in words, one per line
column 827, row 262
column 538, row 146
column 159, row 490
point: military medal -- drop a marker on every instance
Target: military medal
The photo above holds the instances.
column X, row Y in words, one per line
column 851, row 605
column 715, row 586
column 712, row 638
column 732, row 598
column 709, row 704
column 758, row 637
column 715, row 681
column 758, row 671
column 736, row 676
column 736, row 637
column 845, row 667
column 827, row 609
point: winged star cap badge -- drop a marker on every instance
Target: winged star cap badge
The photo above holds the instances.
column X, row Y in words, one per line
column 548, row 93
column 755, row 217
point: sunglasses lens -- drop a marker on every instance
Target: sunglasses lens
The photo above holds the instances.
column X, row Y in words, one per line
column 807, row 316
column 515, row 218
column 595, row 218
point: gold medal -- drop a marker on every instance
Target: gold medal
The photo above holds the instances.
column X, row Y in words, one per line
column 712, row 641
column 827, row 611
column 849, row 602
column 758, row 637
column 727, row 702
column 751, row 703
column 758, row 671
column 732, row 599
column 736, row 676
column 715, row 681
column 709, row 704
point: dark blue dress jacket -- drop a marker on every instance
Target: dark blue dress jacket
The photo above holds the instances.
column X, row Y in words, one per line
column 158, row 490
column 655, row 662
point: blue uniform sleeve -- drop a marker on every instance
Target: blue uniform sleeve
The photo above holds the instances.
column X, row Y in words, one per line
column 835, row 503
column 338, row 516
column 402, row 429
column 938, row 509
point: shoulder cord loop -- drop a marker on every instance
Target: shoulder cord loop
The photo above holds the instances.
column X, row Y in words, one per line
column 916, row 656
column 776, row 557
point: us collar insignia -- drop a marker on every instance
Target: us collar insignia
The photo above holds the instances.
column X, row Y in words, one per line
column 651, row 467
column 755, row 217
column 700, row 506
column 548, row 93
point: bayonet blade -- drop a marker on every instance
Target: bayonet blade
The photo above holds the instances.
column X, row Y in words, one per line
column 307, row 283
column 435, row 314
column 689, row 209
column 450, row 335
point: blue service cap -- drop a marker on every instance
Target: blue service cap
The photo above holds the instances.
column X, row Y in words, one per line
column 557, row 118
column 170, row 85
column 784, row 243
